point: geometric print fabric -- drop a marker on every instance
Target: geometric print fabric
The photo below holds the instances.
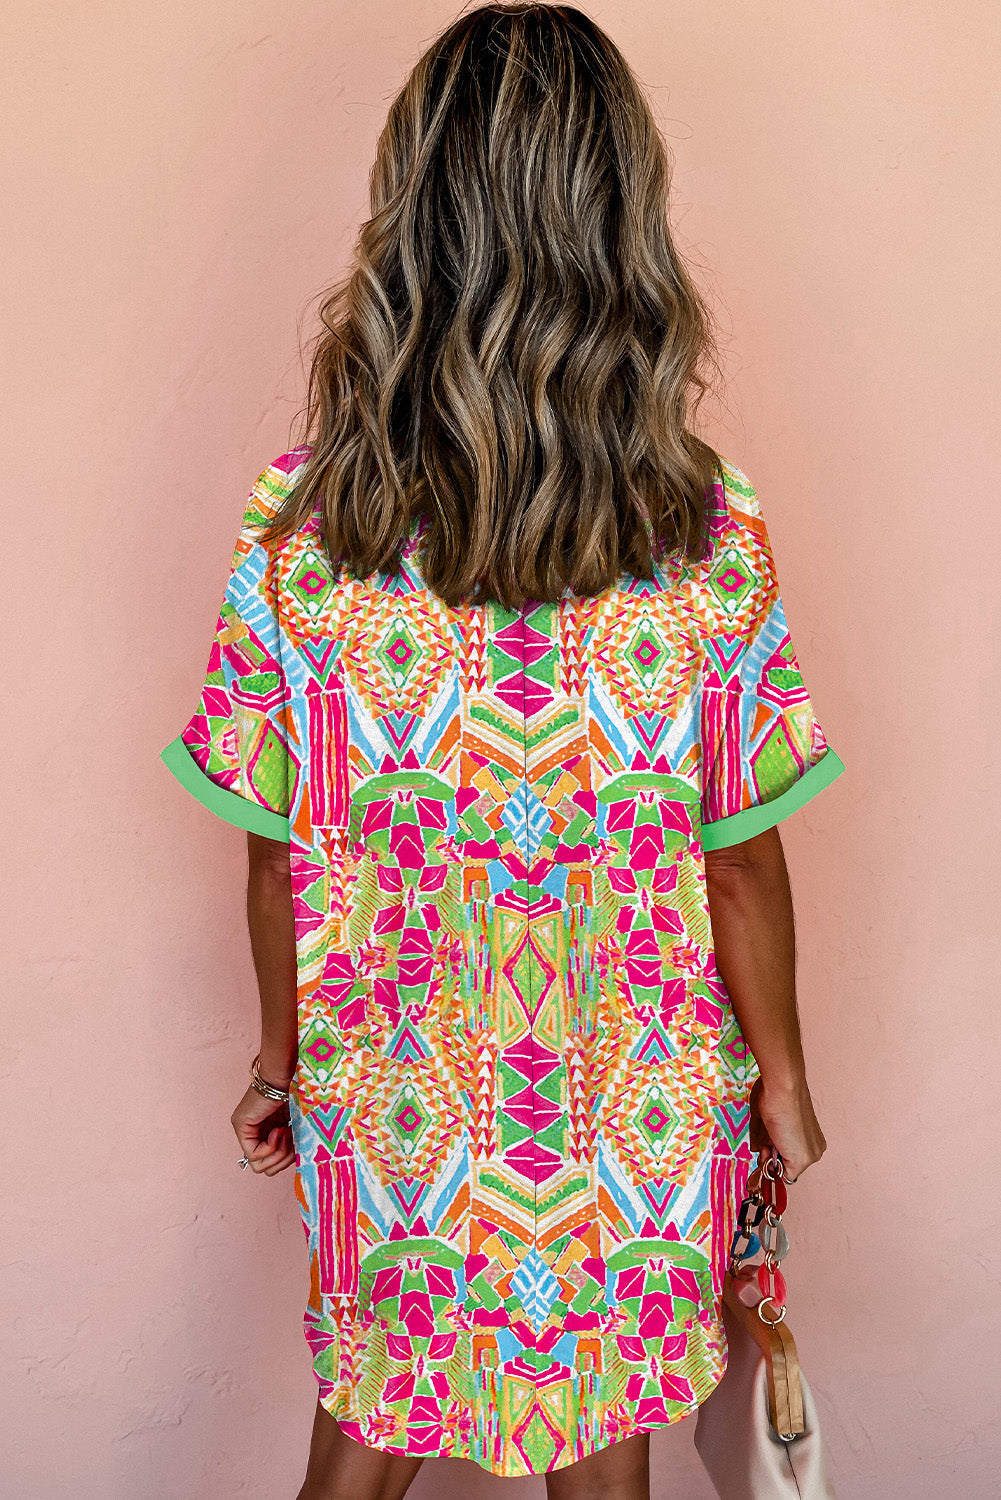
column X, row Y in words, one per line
column 520, row 1108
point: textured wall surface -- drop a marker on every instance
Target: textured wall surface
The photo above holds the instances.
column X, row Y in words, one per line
column 180, row 183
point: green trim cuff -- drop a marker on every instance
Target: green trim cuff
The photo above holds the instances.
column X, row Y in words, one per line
column 753, row 820
column 229, row 806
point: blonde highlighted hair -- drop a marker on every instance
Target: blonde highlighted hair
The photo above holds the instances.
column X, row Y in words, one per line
column 517, row 352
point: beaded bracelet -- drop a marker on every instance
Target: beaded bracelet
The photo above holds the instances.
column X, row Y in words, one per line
column 762, row 1209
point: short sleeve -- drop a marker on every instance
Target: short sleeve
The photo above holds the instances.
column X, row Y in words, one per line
column 233, row 753
column 763, row 751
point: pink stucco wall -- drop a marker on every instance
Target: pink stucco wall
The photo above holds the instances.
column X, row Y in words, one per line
column 180, row 182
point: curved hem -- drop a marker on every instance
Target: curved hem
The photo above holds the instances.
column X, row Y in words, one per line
column 753, row 820
column 230, row 806
column 345, row 1423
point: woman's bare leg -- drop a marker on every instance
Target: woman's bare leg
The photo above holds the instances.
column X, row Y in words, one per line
column 341, row 1469
column 619, row 1472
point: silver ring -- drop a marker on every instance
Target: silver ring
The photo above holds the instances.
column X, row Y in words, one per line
column 244, row 1162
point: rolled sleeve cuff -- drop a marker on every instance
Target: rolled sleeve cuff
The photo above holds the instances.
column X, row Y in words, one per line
column 229, row 806
column 753, row 820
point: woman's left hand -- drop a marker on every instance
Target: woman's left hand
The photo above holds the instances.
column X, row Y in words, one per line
column 265, row 1135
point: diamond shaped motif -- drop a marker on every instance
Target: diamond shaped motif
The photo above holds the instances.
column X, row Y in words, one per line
column 520, row 1108
column 657, row 1120
column 647, row 653
column 408, row 1118
column 320, row 1051
column 312, row 582
column 398, row 651
column 732, row 579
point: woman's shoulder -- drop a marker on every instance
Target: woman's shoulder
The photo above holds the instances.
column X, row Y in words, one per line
column 733, row 510
column 738, row 520
column 274, row 483
column 738, row 496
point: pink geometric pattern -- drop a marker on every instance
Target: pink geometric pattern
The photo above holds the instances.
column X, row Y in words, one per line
column 520, row 1109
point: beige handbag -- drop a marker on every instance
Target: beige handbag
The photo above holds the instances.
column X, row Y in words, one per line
column 758, row 1433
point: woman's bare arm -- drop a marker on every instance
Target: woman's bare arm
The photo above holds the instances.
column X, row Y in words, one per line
column 751, row 911
column 750, row 907
column 272, row 941
column 262, row 1125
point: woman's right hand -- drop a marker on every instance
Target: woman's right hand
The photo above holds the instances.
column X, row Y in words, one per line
column 784, row 1118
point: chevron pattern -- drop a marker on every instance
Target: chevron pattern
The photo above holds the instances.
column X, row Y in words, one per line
column 520, row 1110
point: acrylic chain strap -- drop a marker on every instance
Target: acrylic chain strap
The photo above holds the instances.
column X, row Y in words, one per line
column 760, row 1228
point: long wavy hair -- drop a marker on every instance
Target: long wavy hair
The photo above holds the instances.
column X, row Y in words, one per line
column 517, row 352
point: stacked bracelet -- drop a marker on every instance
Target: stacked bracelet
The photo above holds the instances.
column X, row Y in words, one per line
column 278, row 1096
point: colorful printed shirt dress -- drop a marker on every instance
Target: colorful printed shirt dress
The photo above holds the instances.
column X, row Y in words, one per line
column 520, row 1108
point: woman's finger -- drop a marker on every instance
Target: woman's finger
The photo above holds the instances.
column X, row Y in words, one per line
column 274, row 1163
column 248, row 1137
column 280, row 1165
column 270, row 1151
column 285, row 1147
